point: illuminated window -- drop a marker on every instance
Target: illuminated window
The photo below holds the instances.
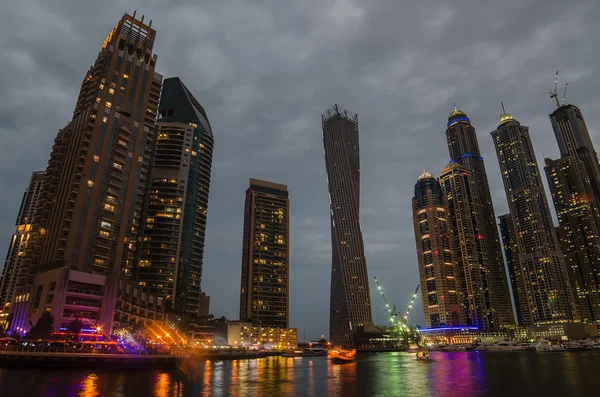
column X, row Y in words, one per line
column 109, row 207
column 111, row 91
column 96, row 158
column 125, row 76
column 98, row 100
column 106, row 225
column 117, row 166
column 104, row 233
column 104, row 119
column 108, row 104
column 90, row 183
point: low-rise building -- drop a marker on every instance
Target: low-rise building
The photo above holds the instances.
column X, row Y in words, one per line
column 245, row 334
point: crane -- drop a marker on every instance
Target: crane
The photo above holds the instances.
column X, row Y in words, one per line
column 554, row 94
column 392, row 311
column 565, row 94
column 411, row 304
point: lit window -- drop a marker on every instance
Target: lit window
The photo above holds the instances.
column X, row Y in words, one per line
column 118, row 166
column 104, row 233
column 125, row 76
column 90, row 183
column 108, row 104
column 111, row 91
column 104, row 119
column 98, row 100
column 109, row 207
column 96, row 158
column 193, row 153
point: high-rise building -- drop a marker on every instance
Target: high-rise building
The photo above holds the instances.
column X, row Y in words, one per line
column 547, row 296
column 464, row 150
column 574, row 140
column 437, row 266
column 22, row 237
column 473, row 274
column 92, row 193
column 174, row 222
column 578, row 231
column 350, row 302
column 515, row 276
column 264, row 297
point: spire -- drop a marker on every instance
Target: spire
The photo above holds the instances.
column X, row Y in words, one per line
column 425, row 175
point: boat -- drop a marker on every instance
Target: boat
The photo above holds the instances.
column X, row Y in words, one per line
column 506, row 346
column 314, row 352
column 545, row 346
column 423, row 355
column 292, row 353
column 343, row 355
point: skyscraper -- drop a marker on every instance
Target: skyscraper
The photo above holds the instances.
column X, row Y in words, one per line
column 511, row 252
column 350, row 303
column 456, row 184
column 464, row 150
column 174, row 222
column 264, row 297
column 21, row 239
column 578, row 232
column 547, row 296
column 574, row 140
column 92, row 193
column 437, row 266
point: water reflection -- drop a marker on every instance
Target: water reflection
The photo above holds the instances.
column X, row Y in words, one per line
column 385, row 374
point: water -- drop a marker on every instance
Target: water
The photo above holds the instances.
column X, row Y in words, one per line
column 376, row 374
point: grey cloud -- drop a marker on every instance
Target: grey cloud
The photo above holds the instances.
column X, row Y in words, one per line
column 265, row 71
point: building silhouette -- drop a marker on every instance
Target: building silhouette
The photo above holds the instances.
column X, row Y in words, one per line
column 176, row 203
column 19, row 242
column 511, row 252
column 472, row 273
column 438, row 272
column 546, row 296
column 494, row 297
column 264, row 295
column 578, row 231
column 350, row 303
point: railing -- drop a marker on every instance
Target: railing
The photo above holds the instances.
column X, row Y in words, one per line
column 68, row 351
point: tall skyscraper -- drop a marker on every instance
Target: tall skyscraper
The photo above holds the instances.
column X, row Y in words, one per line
column 21, row 239
column 547, row 296
column 264, row 297
column 174, row 222
column 457, row 185
column 574, row 140
column 92, row 193
column 350, row 302
column 511, row 252
column 578, row 232
column 464, row 150
column 437, row 266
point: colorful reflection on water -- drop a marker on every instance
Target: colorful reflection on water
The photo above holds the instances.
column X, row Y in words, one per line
column 376, row 374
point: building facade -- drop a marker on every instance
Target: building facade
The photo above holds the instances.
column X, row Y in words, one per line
column 472, row 273
column 438, row 273
column 574, row 140
column 89, row 208
column 464, row 150
column 245, row 334
column 21, row 239
column 511, row 253
column 264, row 297
column 578, row 231
column 95, row 179
column 350, row 302
column 175, row 209
column 546, row 297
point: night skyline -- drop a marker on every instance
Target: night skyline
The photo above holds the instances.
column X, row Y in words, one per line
column 258, row 122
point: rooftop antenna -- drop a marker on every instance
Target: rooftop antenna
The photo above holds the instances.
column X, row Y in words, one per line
column 565, row 93
column 503, row 111
column 454, row 105
column 554, row 94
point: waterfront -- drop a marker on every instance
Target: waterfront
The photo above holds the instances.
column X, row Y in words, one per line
column 375, row 374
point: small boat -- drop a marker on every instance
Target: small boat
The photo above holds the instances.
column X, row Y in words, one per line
column 423, row 355
column 314, row 352
column 343, row 355
column 545, row 346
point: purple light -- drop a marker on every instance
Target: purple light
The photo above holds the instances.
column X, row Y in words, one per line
column 447, row 328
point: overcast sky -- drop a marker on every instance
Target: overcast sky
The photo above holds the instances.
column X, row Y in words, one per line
column 266, row 70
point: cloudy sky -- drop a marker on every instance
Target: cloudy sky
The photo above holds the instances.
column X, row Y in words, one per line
column 266, row 70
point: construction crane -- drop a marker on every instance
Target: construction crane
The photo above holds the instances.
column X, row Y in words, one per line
column 554, row 94
column 391, row 310
column 411, row 304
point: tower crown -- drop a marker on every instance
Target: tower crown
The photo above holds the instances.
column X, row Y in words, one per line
column 457, row 116
column 505, row 118
column 425, row 175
